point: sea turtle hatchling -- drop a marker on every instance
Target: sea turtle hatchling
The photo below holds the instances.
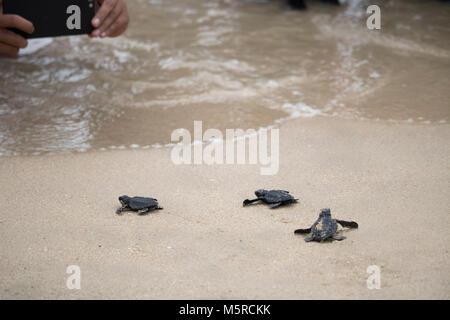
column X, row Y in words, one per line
column 140, row 204
column 274, row 198
column 325, row 227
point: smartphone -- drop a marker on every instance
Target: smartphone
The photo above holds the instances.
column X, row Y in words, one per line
column 53, row 18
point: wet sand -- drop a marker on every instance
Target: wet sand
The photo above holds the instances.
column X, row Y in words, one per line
column 392, row 179
column 242, row 65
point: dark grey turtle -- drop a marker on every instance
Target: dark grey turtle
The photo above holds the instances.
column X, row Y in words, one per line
column 140, row 204
column 325, row 227
column 274, row 198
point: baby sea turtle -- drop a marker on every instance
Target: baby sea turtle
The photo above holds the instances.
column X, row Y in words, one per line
column 325, row 227
column 140, row 204
column 274, row 198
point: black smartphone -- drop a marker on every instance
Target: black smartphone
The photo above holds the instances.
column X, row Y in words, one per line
column 53, row 18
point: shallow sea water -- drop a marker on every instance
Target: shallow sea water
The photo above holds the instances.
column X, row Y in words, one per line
column 244, row 64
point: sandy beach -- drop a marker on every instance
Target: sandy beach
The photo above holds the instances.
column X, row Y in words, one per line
column 364, row 129
column 392, row 179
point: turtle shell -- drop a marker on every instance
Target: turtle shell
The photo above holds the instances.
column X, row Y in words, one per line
column 139, row 203
column 323, row 228
column 275, row 196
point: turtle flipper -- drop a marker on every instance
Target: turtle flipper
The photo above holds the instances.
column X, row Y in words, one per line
column 159, row 208
column 309, row 239
column 338, row 238
column 275, row 205
column 247, row 201
column 121, row 209
column 348, row 224
column 302, row 231
column 143, row 211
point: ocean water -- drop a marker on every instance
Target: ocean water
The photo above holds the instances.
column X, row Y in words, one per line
column 239, row 64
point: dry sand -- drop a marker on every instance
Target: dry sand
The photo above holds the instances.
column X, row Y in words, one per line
column 392, row 179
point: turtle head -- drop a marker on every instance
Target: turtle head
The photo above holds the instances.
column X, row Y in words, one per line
column 260, row 193
column 124, row 200
column 325, row 213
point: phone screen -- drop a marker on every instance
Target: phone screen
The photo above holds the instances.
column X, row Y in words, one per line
column 53, row 18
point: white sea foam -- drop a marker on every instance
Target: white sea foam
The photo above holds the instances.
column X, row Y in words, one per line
column 300, row 110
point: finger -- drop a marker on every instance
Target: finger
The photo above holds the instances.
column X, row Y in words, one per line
column 12, row 39
column 15, row 21
column 111, row 19
column 8, row 50
column 117, row 28
column 103, row 12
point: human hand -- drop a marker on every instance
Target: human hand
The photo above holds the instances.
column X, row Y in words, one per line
column 11, row 42
column 111, row 19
